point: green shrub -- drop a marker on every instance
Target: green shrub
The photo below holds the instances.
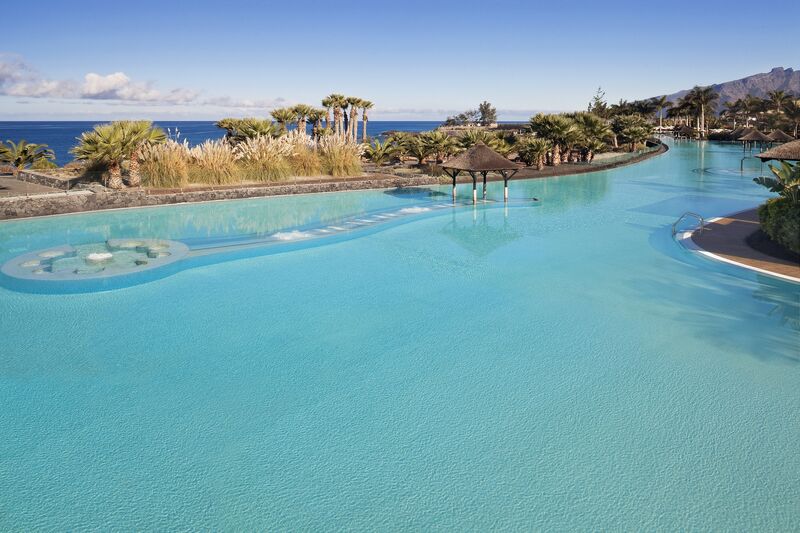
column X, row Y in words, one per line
column 780, row 219
column 43, row 164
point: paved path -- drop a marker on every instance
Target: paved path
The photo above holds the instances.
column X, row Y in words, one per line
column 12, row 187
column 728, row 236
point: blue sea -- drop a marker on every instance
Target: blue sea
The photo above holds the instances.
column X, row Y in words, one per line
column 60, row 135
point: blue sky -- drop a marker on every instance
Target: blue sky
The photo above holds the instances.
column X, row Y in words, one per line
column 415, row 59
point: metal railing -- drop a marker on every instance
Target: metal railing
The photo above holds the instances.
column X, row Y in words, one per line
column 689, row 213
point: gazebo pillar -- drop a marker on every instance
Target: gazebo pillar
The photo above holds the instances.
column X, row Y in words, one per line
column 474, row 188
column 454, row 175
column 484, row 183
column 506, row 177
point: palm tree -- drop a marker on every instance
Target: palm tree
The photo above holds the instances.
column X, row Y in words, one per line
column 316, row 116
column 338, row 102
column 283, row 116
column 592, row 126
column 705, row 99
column 327, row 103
column 732, row 110
column 475, row 135
column 778, row 99
column 366, row 105
column 418, row 149
column 138, row 135
column 240, row 129
column 786, row 181
column 105, row 145
column 562, row 131
column 591, row 147
column 354, row 103
column 301, row 112
column 23, row 154
column 661, row 103
column 533, row 150
column 792, row 111
column 379, row 153
column 439, row 144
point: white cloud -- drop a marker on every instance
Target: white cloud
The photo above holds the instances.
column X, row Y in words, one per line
column 227, row 101
column 17, row 78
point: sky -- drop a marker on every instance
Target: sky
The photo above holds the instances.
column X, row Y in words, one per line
column 416, row 60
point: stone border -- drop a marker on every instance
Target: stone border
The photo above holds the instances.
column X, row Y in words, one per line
column 685, row 239
column 46, row 180
column 79, row 201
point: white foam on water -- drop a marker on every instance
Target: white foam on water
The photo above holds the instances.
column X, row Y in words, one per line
column 51, row 254
column 292, row 235
column 412, row 210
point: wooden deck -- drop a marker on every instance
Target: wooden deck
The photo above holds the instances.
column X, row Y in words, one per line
column 736, row 238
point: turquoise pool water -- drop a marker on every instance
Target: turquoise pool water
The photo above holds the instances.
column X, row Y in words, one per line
column 564, row 365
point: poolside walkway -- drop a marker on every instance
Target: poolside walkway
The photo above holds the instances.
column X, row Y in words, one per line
column 737, row 238
column 9, row 186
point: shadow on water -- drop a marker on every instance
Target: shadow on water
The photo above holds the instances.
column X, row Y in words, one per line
column 416, row 193
column 479, row 235
column 705, row 205
column 706, row 296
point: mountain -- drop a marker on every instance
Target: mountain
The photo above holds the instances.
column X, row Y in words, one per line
column 777, row 79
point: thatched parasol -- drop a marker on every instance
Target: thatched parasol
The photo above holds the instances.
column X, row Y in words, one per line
column 754, row 136
column 739, row 132
column 685, row 131
column 779, row 136
column 789, row 151
column 480, row 159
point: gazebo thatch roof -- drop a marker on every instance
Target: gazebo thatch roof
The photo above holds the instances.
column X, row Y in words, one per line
column 685, row 130
column 739, row 132
column 780, row 136
column 786, row 152
column 480, row 158
column 755, row 135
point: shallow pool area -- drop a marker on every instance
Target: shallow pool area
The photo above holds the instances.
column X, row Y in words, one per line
column 559, row 364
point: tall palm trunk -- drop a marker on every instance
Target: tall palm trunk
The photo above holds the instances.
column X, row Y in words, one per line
column 115, row 176
column 328, row 119
column 364, row 120
column 556, row 155
column 702, row 120
column 134, row 177
column 353, row 123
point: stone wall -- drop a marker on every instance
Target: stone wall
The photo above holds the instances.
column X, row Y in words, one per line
column 89, row 200
column 42, row 178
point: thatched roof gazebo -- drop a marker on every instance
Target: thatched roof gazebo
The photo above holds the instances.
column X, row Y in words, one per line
column 480, row 159
column 754, row 136
column 685, row 131
column 786, row 152
column 739, row 132
column 779, row 136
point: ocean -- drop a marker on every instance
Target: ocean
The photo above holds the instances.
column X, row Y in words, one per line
column 60, row 135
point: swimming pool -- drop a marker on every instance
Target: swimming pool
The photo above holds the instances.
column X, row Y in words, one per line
column 563, row 364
